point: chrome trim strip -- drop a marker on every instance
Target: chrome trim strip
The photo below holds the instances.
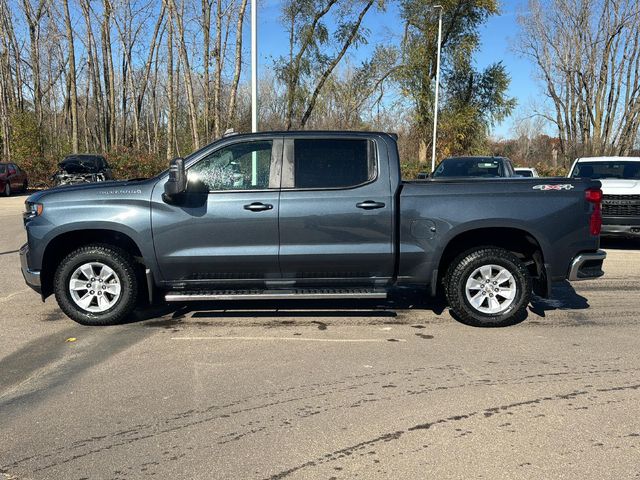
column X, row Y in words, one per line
column 580, row 260
column 150, row 284
column 174, row 297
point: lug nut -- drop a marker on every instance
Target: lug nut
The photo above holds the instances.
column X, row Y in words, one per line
column 88, row 285
column 91, row 292
column 99, row 292
column 497, row 289
column 491, row 294
column 104, row 287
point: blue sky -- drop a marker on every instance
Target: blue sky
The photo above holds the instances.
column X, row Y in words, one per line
column 498, row 38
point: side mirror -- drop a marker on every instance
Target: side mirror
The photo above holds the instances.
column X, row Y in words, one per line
column 177, row 182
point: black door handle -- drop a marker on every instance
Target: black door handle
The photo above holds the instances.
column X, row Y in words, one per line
column 370, row 205
column 258, row 206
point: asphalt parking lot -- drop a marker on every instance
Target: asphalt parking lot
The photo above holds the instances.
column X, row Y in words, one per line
column 322, row 391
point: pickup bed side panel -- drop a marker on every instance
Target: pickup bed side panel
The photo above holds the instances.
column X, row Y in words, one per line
column 433, row 213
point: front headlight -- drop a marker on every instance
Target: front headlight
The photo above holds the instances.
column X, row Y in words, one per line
column 32, row 210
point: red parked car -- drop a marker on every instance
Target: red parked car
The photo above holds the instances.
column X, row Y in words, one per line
column 12, row 179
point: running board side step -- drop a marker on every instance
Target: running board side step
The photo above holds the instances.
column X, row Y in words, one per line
column 301, row 294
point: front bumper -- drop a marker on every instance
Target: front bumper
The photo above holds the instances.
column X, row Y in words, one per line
column 620, row 226
column 620, row 231
column 586, row 266
column 31, row 277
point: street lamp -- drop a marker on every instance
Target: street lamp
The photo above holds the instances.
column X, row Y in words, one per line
column 254, row 66
column 435, row 105
column 254, row 87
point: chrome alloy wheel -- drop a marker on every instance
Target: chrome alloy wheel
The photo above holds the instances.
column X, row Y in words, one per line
column 95, row 287
column 491, row 289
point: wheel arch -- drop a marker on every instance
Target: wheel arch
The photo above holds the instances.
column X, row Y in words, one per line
column 64, row 243
column 520, row 242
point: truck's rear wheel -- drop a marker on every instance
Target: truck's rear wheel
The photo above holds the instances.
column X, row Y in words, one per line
column 488, row 287
column 96, row 285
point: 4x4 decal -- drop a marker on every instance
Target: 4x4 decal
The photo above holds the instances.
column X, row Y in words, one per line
column 565, row 186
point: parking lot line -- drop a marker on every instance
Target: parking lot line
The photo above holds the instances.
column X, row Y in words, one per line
column 296, row 339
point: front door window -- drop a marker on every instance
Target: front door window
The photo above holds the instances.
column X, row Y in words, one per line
column 243, row 166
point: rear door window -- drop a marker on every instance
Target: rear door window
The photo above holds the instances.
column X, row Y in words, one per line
column 333, row 163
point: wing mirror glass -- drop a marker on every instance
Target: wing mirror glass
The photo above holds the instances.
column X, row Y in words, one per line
column 177, row 182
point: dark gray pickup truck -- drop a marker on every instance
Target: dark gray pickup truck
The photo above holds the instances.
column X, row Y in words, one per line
column 308, row 215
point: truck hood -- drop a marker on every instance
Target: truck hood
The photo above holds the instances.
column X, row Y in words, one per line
column 614, row 186
column 96, row 190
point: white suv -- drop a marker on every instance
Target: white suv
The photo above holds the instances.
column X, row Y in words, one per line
column 620, row 177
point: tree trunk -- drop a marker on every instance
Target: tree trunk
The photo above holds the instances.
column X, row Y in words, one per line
column 332, row 65
column 231, row 114
column 72, row 79
column 206, row 60
column 109, row 77
column 217, row 81
column 184, row 58
column 170, row 90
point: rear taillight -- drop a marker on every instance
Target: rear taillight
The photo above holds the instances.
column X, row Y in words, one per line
column 594, row 195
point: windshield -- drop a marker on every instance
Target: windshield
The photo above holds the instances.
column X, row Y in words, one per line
column 613, row 169
column 469, row 167
column 85, row 161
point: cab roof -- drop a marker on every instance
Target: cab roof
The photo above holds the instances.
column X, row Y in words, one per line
column 609, row 159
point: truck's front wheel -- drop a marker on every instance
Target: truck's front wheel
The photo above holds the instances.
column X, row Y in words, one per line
column 488, row 287
column 96, row 285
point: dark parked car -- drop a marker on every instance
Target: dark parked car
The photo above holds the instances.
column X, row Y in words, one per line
column 74, row 169
column 12, row 179
column 470, row 167
column 308, row 215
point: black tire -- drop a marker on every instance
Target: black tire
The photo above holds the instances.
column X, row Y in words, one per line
column 116, row 259
column 460, row 271
column 7, row 189
column 25, row 186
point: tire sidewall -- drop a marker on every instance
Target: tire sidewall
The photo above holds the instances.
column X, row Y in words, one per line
column 113, row 260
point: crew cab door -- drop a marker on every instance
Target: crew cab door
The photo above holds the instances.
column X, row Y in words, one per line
column 336, row 212
column 225, row 228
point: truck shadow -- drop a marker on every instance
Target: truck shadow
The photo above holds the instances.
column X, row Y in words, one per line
column 379, row 311
column 390, row 311
column 563, row 297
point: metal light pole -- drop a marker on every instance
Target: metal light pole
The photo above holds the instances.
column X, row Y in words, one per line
column 435, row 106
column 254, row 86
column 254, row 66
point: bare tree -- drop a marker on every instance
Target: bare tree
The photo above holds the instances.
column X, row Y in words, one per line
column 233, row 95
column 109, row 75
column 177, row 18
column 587, row 53
column 72, row 80
column 170, row 92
